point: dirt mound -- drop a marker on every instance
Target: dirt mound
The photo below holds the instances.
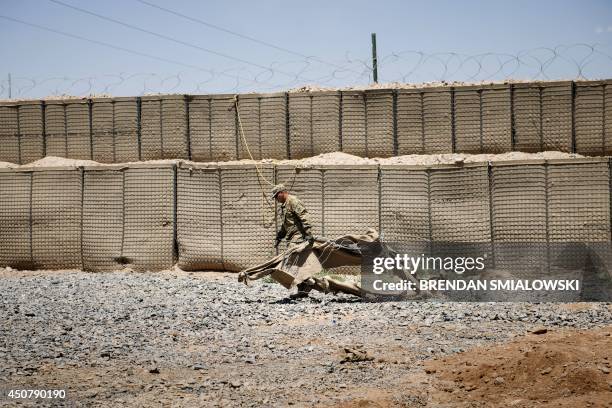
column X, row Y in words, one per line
column 334, row 158
column 426, row 159
column 315, row 88
column 404, row 85
column 449, row 158
column 7, row 165
column 559, row 369
column 61, row 97
column 53, row 161
column 330, row 159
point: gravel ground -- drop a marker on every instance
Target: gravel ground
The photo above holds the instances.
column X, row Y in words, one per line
column 183, row 339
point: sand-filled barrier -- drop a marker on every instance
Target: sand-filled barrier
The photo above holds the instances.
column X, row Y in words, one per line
column 63, row 213
column 396, row 120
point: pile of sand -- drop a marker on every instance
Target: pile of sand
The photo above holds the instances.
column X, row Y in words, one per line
column 565, row 368
column 53, row 161
column 388, row 85
column 450, row 158
column 318, row 88
column 329, row 158
column 404, row 85
column 50, row 161
column 425, row 159
column 61, row 97
column 335, row 158
column 7, row 165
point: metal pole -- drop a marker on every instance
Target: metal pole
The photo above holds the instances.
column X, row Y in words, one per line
column 9, row 86
column 374, row 59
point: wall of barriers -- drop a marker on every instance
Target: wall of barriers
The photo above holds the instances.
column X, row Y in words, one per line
column 208, row 216
column 536, row 116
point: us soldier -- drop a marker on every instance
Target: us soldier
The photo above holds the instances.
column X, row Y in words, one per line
column 295, row 229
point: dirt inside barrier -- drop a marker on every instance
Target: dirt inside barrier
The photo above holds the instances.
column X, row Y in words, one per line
column 334, row 158
column 316, row 88
column 405, row 85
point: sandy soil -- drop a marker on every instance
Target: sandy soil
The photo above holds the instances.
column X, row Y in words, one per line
column 566, row 368
column 404, row 85
column 427, row 159
column 334, row 158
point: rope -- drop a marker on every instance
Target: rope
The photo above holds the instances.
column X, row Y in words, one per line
column 260, row 175
column 295, row 173
column 246, row 145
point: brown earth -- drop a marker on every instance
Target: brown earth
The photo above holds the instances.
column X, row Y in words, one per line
column 565, row 368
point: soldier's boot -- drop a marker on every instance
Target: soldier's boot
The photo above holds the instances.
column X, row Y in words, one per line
column 348, row 288
column 327, row 285
column 303, row 289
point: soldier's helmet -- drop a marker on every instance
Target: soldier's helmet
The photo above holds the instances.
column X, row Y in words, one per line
column 277, row 189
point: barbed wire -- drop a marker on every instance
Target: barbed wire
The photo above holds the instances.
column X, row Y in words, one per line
column 542, row 63
column 574, row 61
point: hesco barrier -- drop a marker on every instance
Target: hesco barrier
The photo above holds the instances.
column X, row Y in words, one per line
column 203, row 216
column 531, row 117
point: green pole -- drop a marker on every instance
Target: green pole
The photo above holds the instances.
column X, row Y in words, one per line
column 374, row 59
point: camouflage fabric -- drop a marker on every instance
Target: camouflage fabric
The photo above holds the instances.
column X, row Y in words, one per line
column 300, row 263
column 295, row 220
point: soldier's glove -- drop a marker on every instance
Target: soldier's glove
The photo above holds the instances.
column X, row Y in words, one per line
column 310, row 240
column 279, row 238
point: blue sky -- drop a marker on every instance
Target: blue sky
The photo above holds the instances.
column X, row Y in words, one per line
column 459, row 40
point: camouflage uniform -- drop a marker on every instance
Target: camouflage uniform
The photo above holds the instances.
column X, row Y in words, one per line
column 296, row 225
column 296, row 228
